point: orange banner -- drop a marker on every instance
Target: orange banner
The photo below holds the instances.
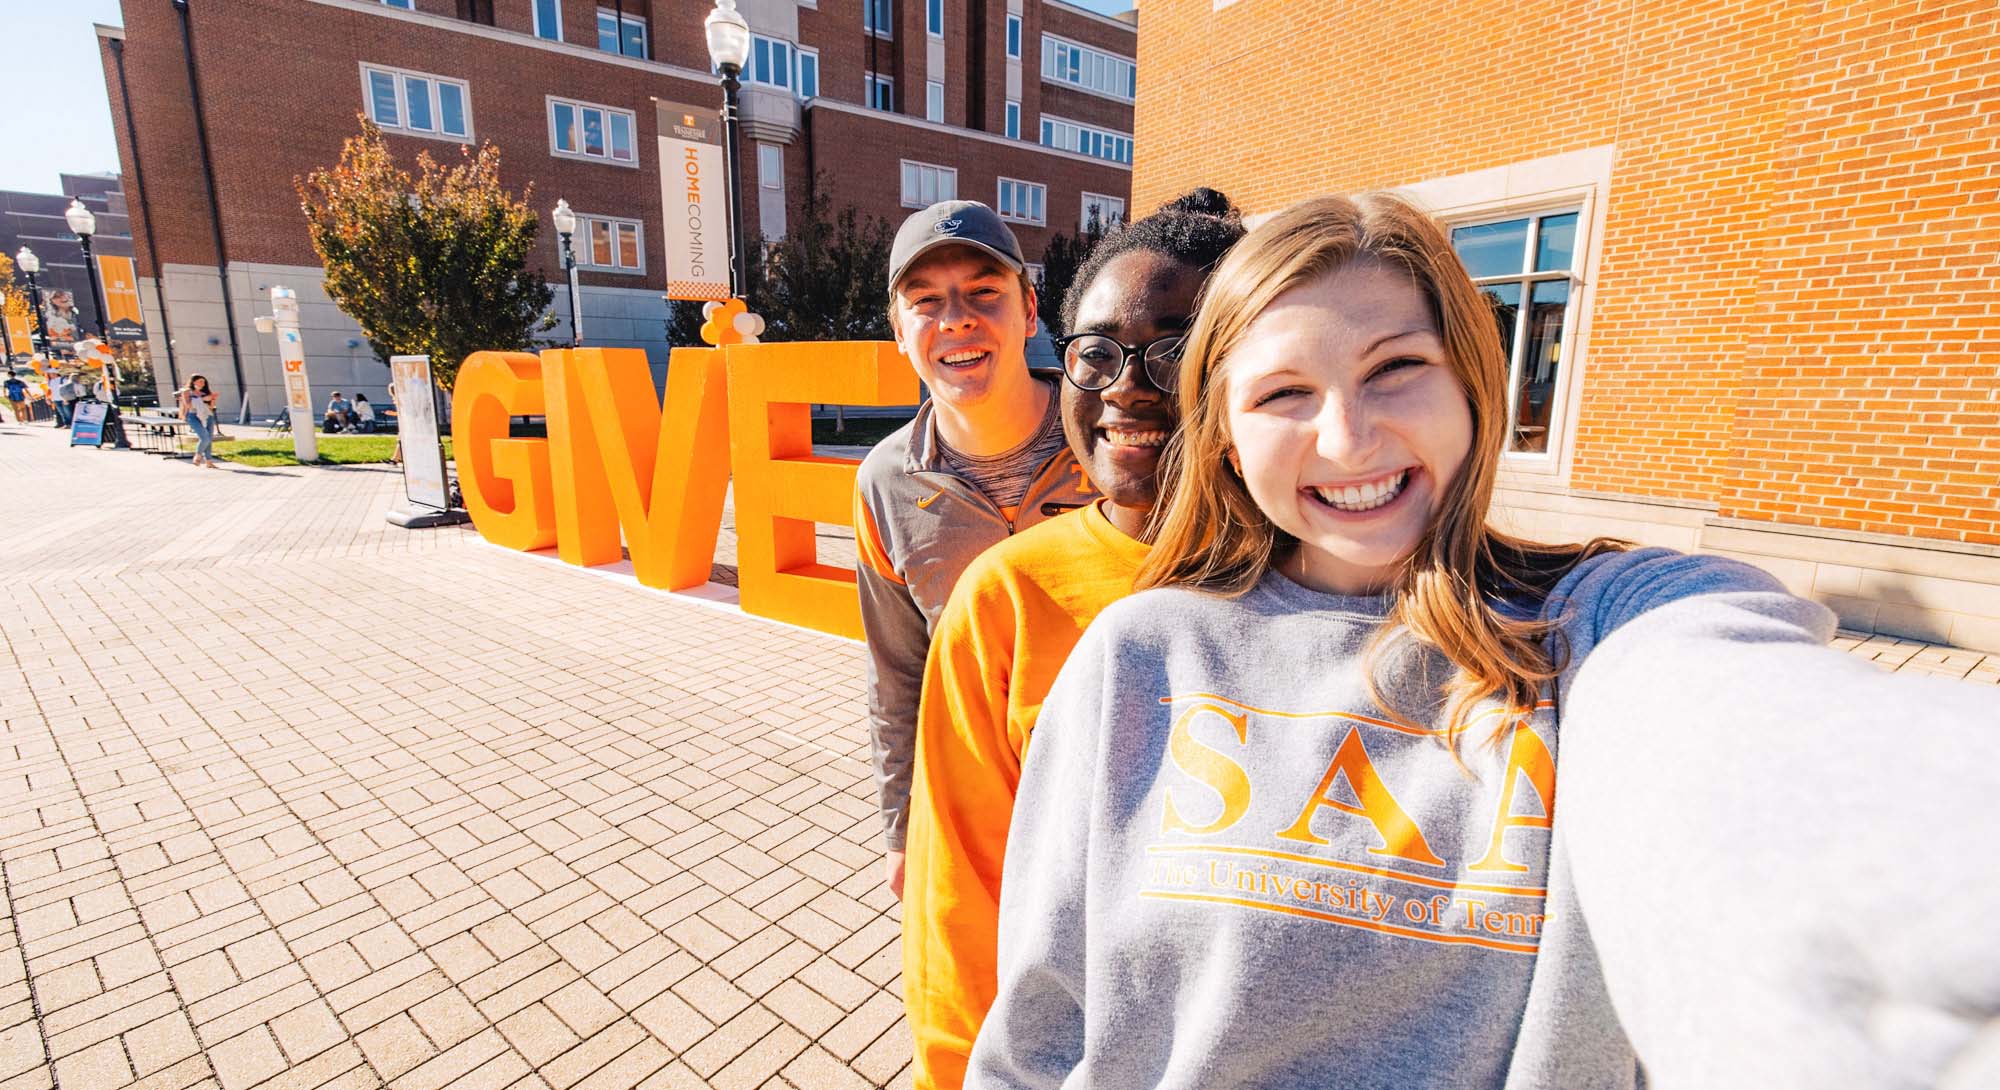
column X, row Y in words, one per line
column 120, row 277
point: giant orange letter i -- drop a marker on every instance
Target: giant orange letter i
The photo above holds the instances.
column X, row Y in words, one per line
column 623, row 473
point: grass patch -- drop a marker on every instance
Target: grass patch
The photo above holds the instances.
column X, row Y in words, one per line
column 333, row 450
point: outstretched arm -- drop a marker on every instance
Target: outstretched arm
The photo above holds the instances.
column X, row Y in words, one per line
column 1785, row 854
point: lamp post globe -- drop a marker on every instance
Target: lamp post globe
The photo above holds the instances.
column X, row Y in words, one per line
column 84, row 224
column 729, row 48
column 565, row 224
column 29, row 264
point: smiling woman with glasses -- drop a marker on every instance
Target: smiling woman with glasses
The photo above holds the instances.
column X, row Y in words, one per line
column 1094, row 361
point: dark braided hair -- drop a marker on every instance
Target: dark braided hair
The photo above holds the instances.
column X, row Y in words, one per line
column 1196, row 229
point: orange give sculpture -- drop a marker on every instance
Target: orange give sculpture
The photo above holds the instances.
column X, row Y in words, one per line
column 626, row 474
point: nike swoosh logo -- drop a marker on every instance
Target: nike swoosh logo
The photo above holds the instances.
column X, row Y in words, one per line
column 922, row 504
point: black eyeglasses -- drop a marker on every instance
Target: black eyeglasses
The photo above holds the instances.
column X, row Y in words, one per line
column 1093, row 361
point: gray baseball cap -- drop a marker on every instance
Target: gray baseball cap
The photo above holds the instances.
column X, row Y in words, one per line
column 952, row 223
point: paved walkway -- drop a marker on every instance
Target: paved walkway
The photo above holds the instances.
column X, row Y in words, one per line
column 297, row 798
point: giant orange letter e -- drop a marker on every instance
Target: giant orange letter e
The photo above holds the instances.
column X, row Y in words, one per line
column 505, row 480
column 782, row 488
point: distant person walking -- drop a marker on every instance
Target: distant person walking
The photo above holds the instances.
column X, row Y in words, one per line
column 197, row 403
column 17, row 397
column 68, row 391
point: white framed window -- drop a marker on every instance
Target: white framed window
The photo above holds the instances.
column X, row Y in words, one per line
column 610, row 244
column 1022, row 201
column 771, row 190
column 1013, row 37
column 1089, row 140
column 1529, row 268
column 1034, row 271
column 585, row 130
column 417, row 103
column 880, row 92
column 624, row 34
column 1013, row 122
column 770, row 62
column 406, row 5
column 548, row 19
column 1531, row 235
column 933, row 101
column 877, row 18
column 808, row 81
column 1106, row 211
column 925, row 184
column 1074, row 64
column 934, row 18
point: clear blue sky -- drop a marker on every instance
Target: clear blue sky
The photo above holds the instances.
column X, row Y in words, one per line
column 60, row 117
column 53, row 65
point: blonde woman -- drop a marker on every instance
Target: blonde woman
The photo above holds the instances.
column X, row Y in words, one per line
column 1290, row 817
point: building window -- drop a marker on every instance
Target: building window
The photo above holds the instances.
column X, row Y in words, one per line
column 416, row 103
column 548, row 19
column 624, row 35
column 771, row 190
column 406, row 5
column 770, row 62
column 933, row 101
column 1105, row 212
column 1527, row 268
column 876, row 18
column 934, row 18
column 881, row 92
column 1022, row 201
column 1088, row 69
column 583, row 130
column 808, row 73
column 1014, row 37
column 606, row 244
column 1095, row 142
column 1034, row 271
column 925, row 184
column 1013, row 121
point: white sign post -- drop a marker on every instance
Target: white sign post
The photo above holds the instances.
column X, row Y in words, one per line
column 284, row 321
column 424, row 479
column 694, row 192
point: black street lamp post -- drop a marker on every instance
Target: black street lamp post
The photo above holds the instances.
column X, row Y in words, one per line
column 29, row 265
column 565, row 223
column 84, row 224
column 729, row 47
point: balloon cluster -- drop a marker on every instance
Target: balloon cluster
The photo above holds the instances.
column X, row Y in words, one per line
column 730, row 322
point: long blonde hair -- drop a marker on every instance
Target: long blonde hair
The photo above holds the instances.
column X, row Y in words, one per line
column 1449, row 591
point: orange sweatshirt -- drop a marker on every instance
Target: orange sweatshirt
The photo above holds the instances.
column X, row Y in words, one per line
column 1011, row 622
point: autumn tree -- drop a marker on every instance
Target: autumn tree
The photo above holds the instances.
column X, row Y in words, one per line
column 432, row 265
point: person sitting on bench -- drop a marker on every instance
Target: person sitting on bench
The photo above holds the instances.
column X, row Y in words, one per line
column 338, row 412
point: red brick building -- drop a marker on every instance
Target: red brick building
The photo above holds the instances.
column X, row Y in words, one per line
column 888, row 104
column 1747, row 257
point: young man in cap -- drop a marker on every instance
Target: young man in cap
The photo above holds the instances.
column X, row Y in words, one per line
column 984, row 457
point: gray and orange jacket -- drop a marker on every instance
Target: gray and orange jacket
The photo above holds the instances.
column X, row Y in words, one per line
column 916, row 527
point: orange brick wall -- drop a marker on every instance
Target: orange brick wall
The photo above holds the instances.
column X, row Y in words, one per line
column 1796, row 314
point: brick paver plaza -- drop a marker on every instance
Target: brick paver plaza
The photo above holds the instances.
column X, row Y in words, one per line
column 297, row 798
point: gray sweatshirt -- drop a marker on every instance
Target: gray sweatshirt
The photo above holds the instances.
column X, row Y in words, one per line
column 1227, row 869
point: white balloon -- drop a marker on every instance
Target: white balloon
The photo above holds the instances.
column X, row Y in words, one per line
column 749, row 324
column 748, row 340
column 708, row 309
